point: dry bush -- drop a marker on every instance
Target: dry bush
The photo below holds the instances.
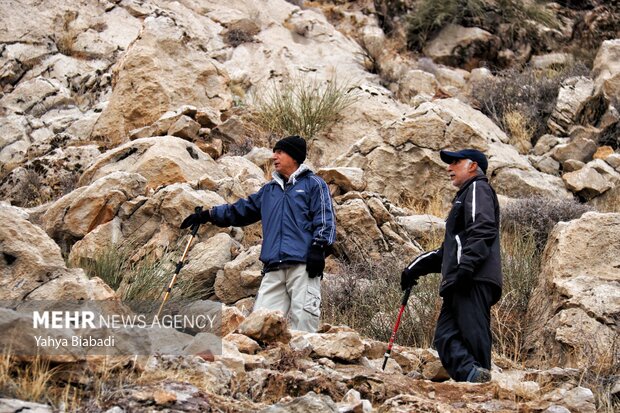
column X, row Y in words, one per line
column 538, row 216
column 530, row 92
column 37, row 381
column 302, row 106
column 432, row 205
column 520, row 269
column 430, row 16
column 519, row 130
column 366, row 296
column 236, row 37
column 144, row 280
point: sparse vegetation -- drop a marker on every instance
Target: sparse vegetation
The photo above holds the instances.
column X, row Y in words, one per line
column 430, row 16
column 530, row 93
column 303, row 106
column 144, row 280
column 536, row 217
column 236, row 37
column 367, row 296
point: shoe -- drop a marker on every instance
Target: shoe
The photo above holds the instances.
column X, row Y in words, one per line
column 479, row 375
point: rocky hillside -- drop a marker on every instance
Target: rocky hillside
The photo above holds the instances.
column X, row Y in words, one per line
column 118, row 117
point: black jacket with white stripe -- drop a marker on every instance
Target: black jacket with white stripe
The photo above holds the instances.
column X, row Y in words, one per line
column 471, row 241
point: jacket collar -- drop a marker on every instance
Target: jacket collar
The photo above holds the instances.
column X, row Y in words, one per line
column 302, row 170
column 469, row 182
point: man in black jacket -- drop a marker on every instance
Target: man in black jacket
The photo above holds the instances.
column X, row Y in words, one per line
column 469, row 261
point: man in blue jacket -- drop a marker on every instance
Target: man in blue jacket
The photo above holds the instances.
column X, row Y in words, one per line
column 469, row 261
column 295, row 208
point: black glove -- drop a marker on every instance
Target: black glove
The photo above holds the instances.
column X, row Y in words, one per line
column 197, row 218
column 315, row 263
column 409, row 278
column 464, row 278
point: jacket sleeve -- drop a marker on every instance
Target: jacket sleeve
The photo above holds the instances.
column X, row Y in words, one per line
column 481, row 226
column 427, row 263
column 243, row 212
column 323, row 219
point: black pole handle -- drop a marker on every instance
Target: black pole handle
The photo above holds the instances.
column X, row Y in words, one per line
column 195, row 227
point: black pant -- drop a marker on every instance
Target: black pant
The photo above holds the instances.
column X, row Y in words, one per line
column 463, row 333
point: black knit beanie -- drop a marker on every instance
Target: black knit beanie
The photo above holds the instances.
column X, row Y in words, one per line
column 294, row 145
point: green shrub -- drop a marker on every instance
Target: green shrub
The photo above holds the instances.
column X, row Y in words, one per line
column 303, row 106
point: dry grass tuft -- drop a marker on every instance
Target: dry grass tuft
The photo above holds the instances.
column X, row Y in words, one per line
column 302, row 106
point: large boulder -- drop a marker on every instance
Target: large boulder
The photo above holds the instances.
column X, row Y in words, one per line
column 463, row 46
column 79, row 212
column 29, row 256
column 147, row 225
column 367, row 230
column 32, row 266
column 144, row 85
column 576, row 304
column 572, row 99
column 161, row 160
column 586, row 182
column 402, row 160
column 207, row 258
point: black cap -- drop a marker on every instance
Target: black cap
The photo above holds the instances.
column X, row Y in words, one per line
column 473, row 154
column 294, row 145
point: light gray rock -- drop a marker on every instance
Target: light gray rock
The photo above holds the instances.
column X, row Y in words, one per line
column 207, row 258
column 614, row 161
column 572, row 98
column 578, row 295
column 373, row 40
column 468, row 41
column 161, row 160
column 606, row 68
column 572, row 165
column 344, row 345
column 240, row 277
column 551, row 59
column 420, row 226
column 519, row 183
column 586, row 182
column 545, row 143
column 266, row 326
column 546, row 164
column 15, row 406
column 309, row 403
column 346, row 179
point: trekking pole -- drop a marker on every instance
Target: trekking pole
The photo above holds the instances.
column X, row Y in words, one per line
column 180, row 263
column 403, row 304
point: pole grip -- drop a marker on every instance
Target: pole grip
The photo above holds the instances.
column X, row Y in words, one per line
column 195, row 227
column 406, row 296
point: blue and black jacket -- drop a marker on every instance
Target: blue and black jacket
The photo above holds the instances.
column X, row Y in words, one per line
column 294, row 215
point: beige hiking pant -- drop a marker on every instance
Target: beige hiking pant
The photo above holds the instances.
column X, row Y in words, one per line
column 291, row 291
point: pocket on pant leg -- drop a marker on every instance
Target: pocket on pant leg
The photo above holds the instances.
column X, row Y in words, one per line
column 312, row 303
